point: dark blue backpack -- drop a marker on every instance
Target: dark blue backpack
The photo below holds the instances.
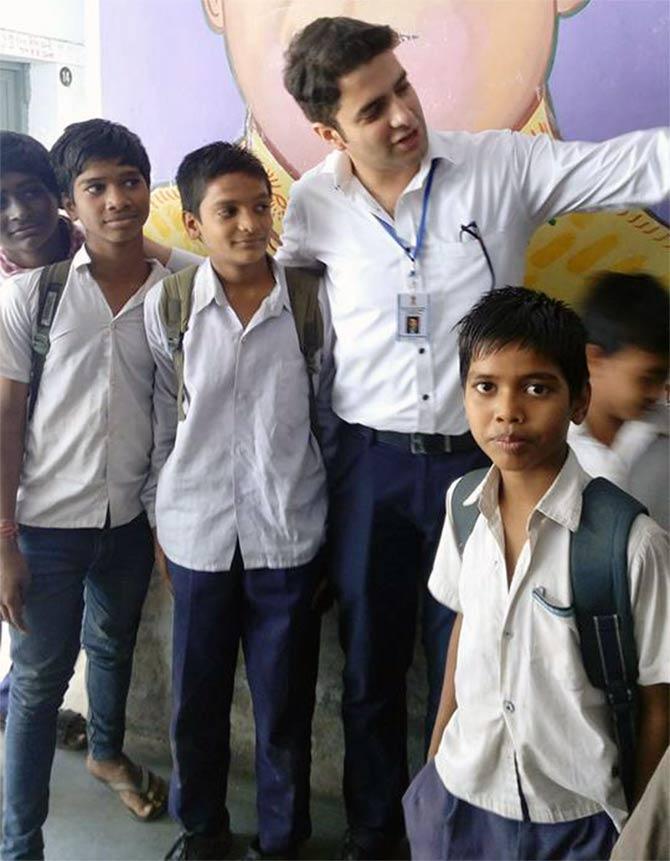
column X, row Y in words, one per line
column 601, row 599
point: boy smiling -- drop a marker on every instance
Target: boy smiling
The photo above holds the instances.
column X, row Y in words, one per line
column 240, row 511
column 522, row 759
column 76, row 552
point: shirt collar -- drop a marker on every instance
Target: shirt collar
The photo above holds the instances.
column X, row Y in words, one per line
column 207, row 288
column 562, row 502
column 440, row 146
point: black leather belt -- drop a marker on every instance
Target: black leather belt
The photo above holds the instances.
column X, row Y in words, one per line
column 426, row 443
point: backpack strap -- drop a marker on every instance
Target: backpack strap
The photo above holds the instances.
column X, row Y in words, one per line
column 175, row 310
column 601, row 598
column 50, row 289
column 303, row 293
column 465, row 516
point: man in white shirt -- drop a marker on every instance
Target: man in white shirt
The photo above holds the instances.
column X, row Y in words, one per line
column 72, row 522
column 412, row 223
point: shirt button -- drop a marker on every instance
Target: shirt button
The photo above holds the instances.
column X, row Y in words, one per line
column 508, row 705
column 507, row 634
column 422, row 350
column 424, row 397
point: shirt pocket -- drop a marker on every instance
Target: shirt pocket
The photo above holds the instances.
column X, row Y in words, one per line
column 555, row 646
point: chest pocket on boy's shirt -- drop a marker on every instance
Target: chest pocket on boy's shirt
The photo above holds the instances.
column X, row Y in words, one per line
column 555, row 649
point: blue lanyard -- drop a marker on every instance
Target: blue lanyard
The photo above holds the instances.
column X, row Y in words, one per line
column 413, row 253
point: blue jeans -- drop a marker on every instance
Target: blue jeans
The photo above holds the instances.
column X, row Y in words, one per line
column 99, row 576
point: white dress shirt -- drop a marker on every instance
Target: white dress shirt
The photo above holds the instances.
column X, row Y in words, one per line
column 509, row 184
column 243, row 465
column 638, row 461
column 522, row 691
column 88, row 444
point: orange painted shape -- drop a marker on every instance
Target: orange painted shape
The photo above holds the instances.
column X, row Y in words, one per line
column 592, row 254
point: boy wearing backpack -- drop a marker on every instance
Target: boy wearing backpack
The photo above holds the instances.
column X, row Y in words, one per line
column 524, row 762
column 625, row 434
column 240, row 503
column 75, row 442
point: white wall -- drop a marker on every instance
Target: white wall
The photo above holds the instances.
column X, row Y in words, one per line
column 47, row 35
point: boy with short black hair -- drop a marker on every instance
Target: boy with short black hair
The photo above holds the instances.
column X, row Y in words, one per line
column 625, row 435
column 240, row 506
column 525, row 760
column 72, row 523
column 32, row 233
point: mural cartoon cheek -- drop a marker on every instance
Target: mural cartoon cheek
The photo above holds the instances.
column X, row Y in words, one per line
column 478, row 65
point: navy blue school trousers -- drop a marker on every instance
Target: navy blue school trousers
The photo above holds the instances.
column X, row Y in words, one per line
column 441, row 827
column 270, row 612
column 387, row 510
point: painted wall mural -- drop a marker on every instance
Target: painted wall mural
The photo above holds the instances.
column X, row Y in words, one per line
column 569, row 68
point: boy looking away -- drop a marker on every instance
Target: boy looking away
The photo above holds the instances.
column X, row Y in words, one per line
column 625, row 434
column 72, row 520
column 240, row 511
column 521, row 764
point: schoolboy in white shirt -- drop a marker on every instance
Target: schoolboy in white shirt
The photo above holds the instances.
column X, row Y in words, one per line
column 72, row 520
column 524, row 753
column 625, row 434
column 240, row 513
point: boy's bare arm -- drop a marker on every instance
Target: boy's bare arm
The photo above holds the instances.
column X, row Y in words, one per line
column 14, row 575
column 448, row 697
column 652, row 735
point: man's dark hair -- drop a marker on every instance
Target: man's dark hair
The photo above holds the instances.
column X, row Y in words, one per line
column 533, row 320
column 92, row 140
column 203, row 165
column 23, row 154
column 322, row 53
column 627, row 310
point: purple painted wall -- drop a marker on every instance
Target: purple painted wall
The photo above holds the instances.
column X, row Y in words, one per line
column 597, row 90
column 166, row 76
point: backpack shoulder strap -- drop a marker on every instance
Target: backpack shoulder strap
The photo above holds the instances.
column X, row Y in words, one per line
column 601, row 599
column 465, row 516
column 50, row 289
column 175, row 310
column 303, row 292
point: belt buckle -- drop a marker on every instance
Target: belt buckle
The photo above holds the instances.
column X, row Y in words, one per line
column 417, row 443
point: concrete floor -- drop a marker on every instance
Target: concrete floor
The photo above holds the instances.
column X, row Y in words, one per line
column 87, row 822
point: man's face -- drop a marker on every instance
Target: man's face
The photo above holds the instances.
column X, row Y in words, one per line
column 380, row 123
column 28, row 215
column 111, row 200
column 234, row 220
column 519, row 409
column 628, row 382
column 476, row 64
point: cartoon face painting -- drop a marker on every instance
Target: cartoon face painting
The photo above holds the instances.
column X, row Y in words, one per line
column 476, row 64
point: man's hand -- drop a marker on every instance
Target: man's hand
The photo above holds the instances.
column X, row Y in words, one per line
column 14, row 582
column 161, row 564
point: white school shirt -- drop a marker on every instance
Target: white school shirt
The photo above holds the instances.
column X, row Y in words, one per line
column 638, row 461
column 243, row 465
column 522, row 691
column 88, row 444
column 509, row 184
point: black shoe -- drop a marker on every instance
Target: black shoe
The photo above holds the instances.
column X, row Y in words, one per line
column 199, row 847
column 353, row 851
column 255, row 853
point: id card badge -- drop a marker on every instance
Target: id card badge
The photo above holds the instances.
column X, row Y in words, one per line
column 413, row 317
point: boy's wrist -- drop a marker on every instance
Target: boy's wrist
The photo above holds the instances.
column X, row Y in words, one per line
column 9, row 531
